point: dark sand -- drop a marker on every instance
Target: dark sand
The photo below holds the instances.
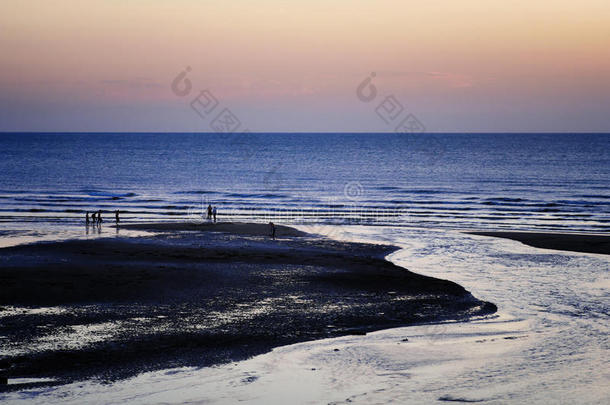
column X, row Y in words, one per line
column 236, row 228
column 556, row 241
column 184, row 298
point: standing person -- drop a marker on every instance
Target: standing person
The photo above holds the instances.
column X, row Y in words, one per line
column 272, row 226
column 87, row 218
column 93, row 219
column 99, row 216
column 116, row 216
column 214, row 213
column 210, row 211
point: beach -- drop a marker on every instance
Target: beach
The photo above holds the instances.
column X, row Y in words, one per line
column 544, row 344
column 171, row 308
column 199, row 295
column 585, row 243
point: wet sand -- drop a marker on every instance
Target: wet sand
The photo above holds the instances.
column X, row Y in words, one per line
column 236, row 228
column 115, row 307
column 557, row 241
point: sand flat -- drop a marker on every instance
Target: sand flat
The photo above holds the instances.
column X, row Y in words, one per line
column 201, row 298
column 235, row 228
column 585, row 243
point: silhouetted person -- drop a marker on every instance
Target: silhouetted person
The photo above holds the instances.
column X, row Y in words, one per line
column 99, row 216
column 214, row 213
column 210, row 211
column 87, row 218
column 93, row 219
column 116, row 216
column 272, row 225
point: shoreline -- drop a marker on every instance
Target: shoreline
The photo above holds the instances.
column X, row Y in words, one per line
column 123, row 306
column 235, row 228
column 583, row 243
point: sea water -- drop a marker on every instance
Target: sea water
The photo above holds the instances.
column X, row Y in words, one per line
column 557, row 182
column 548, row 343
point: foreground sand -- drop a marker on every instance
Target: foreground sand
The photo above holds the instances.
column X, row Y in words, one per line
column 556, row 241
column 115, row 307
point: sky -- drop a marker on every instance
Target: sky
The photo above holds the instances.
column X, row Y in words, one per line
column 305, row 66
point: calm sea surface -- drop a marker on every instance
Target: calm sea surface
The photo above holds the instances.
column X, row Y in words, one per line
column 460, row 181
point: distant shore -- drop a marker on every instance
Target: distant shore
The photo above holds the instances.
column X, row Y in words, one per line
column 557, row 241
column 115, row 307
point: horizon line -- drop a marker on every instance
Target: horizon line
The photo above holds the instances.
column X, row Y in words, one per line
column 313, row 132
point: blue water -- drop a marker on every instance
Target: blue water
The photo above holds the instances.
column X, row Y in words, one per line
column 548, row 344
column 554, row 182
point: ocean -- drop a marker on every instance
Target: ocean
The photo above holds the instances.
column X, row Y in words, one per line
column 554, row 182
column 548, row 343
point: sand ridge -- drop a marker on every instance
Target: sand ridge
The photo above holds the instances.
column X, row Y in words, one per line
column 120, row 306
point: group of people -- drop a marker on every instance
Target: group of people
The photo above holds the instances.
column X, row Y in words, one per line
column 212, row 212
column 96, row 217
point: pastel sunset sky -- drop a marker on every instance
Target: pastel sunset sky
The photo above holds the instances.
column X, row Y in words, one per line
column 468, row 65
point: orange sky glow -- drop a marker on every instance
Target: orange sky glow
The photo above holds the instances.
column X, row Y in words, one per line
column 469, row 65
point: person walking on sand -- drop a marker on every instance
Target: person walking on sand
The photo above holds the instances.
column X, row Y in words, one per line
column 210, row 211
column 87, row 218
column 214, row 211
column 93, row 219
column 116, row 216
column 272, row 226
column 99, row 216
